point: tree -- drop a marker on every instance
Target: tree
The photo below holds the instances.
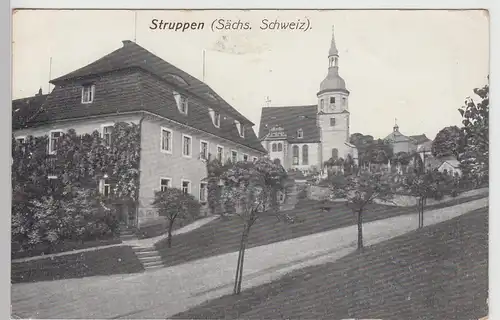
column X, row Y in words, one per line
column 401, row 159
column 475, row 120
column 252, row 189
column 361, row 190
column 448, row 142
column 174, row 204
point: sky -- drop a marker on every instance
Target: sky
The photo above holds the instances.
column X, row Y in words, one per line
column 414, row 66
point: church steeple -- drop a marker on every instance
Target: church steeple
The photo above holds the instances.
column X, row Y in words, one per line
column 333, row 81
column 333, row 53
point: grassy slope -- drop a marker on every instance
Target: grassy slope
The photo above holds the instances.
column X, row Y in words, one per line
column 91, row 263
column 439, row 272
column 223, row 235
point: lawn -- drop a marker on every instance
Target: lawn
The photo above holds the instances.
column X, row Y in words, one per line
column 114, row 260
column 67, row 245
column 439, row 272
column 223, row 235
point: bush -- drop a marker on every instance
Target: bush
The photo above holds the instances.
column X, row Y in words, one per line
column 51, row 221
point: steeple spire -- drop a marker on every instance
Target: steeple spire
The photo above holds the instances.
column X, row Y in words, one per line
column 333, row 47
column 333, row 54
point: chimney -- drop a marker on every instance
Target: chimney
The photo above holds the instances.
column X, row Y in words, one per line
column 126, row 42
column 39, row 92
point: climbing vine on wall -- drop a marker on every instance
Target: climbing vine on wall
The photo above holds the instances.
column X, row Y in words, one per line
column 79, row 163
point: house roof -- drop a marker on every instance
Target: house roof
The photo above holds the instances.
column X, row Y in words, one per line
column 143, row 90
column 25, row 109
column 291, row 119
column 420, row 138
column 131, row 55
column 452, row 162
column 396, row 136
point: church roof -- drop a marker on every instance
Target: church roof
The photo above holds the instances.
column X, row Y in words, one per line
column 397, row 136
column 420, row 138
column 291, row 119
column 333, row 80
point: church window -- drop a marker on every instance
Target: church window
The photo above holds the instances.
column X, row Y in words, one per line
column 335, row 153
column 295, row 151
column 332, row 99
column 305, row 154
column 332, row 122
column 280, row 146
column 322, row 104
column 274, row 147
column 300, row 134
column 343, row 101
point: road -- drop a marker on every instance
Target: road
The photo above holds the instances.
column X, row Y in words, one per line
column 168, row 291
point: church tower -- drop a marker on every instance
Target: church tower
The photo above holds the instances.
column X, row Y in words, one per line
column 333, row 110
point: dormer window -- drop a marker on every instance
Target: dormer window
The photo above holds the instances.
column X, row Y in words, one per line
column 88, row 93
column 182, row 102
column 215, row 117
column 178, row 79
column 241, row 128
column 300, row 134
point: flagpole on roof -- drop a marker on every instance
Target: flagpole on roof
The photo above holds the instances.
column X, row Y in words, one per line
column 135, row 26
column 203, row 64
column 50, row 73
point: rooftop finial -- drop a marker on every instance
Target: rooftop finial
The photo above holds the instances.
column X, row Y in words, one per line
column 396, row 127
column 333, row 47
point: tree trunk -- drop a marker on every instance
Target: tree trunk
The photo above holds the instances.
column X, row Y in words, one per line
column 360, row 229
column 239, row 266
column 169, row 239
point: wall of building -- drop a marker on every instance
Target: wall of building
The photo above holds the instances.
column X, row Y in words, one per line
column 280, row 155
column 403, row 146
column 81, row 126
column 156, row 164
column 314, row 159
column 334, row 136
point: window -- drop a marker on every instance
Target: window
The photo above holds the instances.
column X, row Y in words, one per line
column 20, row 139
column 165, row 183
column 204, row 149
column 300, row 134
column 184, row 104
column 344, row 101
column 54, row 140
column 234, row 156
column 274, row 147
column 88, row 93
column 203, row 192
column 107, row 131
column 166, row 140
column 245, row 157
column 178, row 79
column 305, row 154
column 215, row 117
column 186, row 146
column 332, row 122
column 220, row 153
column 186, row 186
column 295, row 151
column 332, row 99
column 322, row 104
column 335, row 153
column 105, row 187
column 255, row 159
column 241, row 128
column 280, row 146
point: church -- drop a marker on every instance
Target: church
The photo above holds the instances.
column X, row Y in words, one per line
column 304, row 137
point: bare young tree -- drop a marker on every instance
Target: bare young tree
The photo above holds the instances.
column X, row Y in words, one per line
column 360, row 190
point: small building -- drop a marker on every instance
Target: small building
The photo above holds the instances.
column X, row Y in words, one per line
column 451, row 166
